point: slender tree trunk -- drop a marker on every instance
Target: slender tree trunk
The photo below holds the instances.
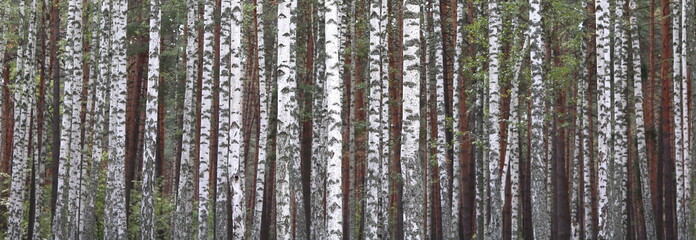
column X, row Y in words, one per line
column 24, row 97
column 287, row 168
column 412, row 169
column 645, row 180
column 618, row 174
column 55, row 77
column 147, row 228
column 184, row 206
column 236, row 165
column 666, row 126
column 115, row 210
column 604, row 80
column 263, row 119
column 540, row 213
column 334, row 194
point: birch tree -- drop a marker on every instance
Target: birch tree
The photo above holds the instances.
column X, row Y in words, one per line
column 147, row 228
column 75, row 165
column 115, row 209
column 620, row 138
column 24, row 97
column 540, row 211
column 184, row 204
column 237, row 176
column 287, row 163
column 334, row 94
column 99, row 135
column 411, row 165
column 376, row 214
column 640, row 124
column 681, row 117
column 319, row 131
column 66, row 217
column 604, row 92
column 223, row 154
column 494, row 228
column 263, row 120
column 206, row 118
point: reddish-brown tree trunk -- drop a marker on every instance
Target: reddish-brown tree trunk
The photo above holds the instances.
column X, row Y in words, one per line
column 8, row 126
column 347, row 121
column 666, row 127
column 360, row 129
column 651, row 131
column 468, row 164
column 395, row 33
column 54, row 70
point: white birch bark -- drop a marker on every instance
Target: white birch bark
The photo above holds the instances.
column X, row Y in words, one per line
column 59, row 228
column 147, row 226
column 223, row 154
column 263, row 121
column 604, row 87
column 494, row 229
column 411, row 164
column 513, row 158
column 540, row 205
column 237, row 176
column 585, row 118
column 115, row 209
column 640, row 124
column 101, row 73
column 621, row 130
column 384, row 123
column 456, row 140
column 287, row 147
column 23, row 98
column 76, row 162
column 681, row 117
column 319, row 132
column 687, row 10
column 334, row 96
column 184, row 206
column 375, row 212
column 206, row 118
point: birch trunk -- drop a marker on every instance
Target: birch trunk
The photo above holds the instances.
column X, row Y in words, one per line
column 640, row 124
column 115, row 210
column 494, row 229
column 319, row 131
column 621, row 130
column 384, row 121
column 606, row 229
column 411, row 165
column 681, row 117
column 456, row 147
column 287, row 165
column 223, row 148
column 237, row 176
column 263, row 120
column 24, row 97
column 513, row 156
column 334, row 95
column 376, row 213
column 99, row 135
column 75, row 175
column 540, row 211
column 147, row 226
column 184, row 205
column 206, row 118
